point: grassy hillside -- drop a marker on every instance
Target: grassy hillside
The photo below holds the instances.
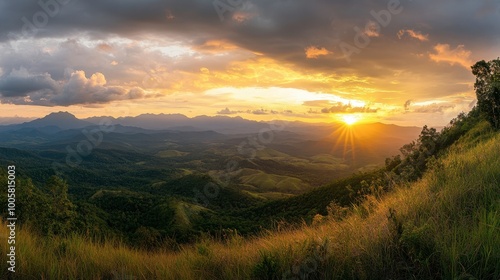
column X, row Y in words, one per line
column 445, row 226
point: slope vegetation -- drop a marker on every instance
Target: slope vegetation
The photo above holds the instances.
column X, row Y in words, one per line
column 444, row 226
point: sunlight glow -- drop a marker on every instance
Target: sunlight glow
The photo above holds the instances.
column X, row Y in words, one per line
column 349, row 119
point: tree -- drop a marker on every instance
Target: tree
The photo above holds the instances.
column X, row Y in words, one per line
column 48, row 211
column 61, row 209
column 428, row 140
column 32, row 203
column 415, row 155
column 487, row 88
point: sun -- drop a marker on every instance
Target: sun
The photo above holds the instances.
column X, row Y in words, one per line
column 349, row 119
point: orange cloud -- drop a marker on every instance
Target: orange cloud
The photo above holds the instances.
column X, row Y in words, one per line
column 215, row 46
column 242, row 16
column 262, row 72
column 413, row 34
column 459, row 55
column 372, row 29
column 169, row 15
column 314, row 52
column 104, row 47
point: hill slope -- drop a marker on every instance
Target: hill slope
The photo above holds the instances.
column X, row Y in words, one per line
column 445, row 226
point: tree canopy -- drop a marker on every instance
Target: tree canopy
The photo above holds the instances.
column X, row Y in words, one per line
column 487, row 88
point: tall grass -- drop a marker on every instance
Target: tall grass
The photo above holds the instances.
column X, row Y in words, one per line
column 445, row 226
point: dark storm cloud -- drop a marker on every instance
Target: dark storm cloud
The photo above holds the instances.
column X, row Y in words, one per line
column 20, row 83
column 279, row 29
column 62, row 18
column 22, row 87
column 282, row 28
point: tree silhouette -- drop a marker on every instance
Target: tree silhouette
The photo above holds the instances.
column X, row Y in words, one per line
column 487, row 88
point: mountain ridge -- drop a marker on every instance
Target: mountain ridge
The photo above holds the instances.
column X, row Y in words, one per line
column 223, row 124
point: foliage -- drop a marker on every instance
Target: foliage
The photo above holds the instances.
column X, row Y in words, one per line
column 268, row 268
column 415, row 156
column 60, row 208
column 48, row 211
column 487, row 88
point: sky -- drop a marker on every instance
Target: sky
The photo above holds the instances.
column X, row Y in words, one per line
column 405, row 62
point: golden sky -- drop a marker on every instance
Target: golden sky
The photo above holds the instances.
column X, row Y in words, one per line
column 402, row 62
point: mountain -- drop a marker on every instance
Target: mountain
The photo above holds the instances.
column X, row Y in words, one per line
column 221, row 124
column 61, row 120
column 147, row 123
column 296, row 142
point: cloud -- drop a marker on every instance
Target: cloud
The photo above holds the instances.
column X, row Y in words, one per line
column 407, row 105
column 242, row 16
column 268, row 112
column 169, row 15
column 314, row 52
column 372, row 29
column 278, row 29
column 22, row 87
column 413, row 34
column 258, row 112
column 317, row 103
column 430, row 107
column 433, row 108
column 459, row 55
column 20, row 83
column 226, row 111
column 161, row 45
column 104, row 47
column 347, row 108
column 215, row 46
column 82, row 90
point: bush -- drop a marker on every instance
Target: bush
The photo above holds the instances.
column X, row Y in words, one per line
column 268, row 268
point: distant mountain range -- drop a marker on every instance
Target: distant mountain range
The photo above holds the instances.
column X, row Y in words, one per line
column 365, row 143
column 222, row 124
column 177, row 122
column 53, row 121
column 292, row 159
column 64, row 121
